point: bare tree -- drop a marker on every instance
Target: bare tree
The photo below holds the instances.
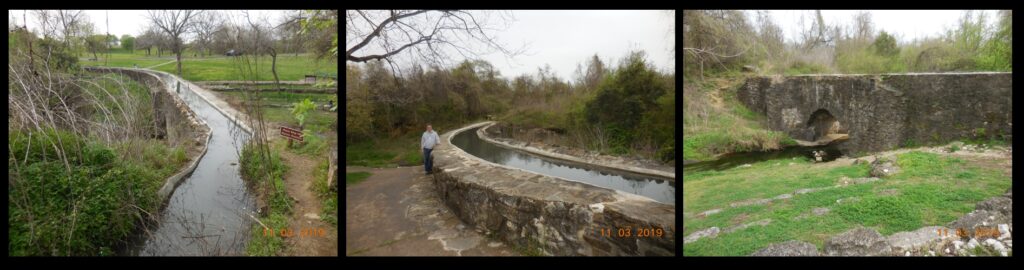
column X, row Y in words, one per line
column 715, row 37
column 225, row 38
column 863, row 27
column 380, row 35
column 48, row 24
column 771, row 37
column 263, row 42
column 147, row 40
column 289, row 30
column 206, row 24
column 66, row 25
column 819, row 34
column 174, row 23
column 71, row 22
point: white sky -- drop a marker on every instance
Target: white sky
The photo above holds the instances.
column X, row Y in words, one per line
column 905, row 24
column 131, row 22
column 564, row 38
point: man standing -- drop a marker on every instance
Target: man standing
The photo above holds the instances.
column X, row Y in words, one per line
column 427, row 142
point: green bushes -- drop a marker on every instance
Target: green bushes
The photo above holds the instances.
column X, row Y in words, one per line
column 634, row 104
column 800, row 67
column 868, row 62
column 255, row 169
column 88, row 207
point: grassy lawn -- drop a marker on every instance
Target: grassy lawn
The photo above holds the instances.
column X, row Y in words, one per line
column 400, row 151
column 217, row 67
column 931, row 190
column 284, row 98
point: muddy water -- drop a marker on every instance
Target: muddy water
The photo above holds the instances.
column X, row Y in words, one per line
column 658, row 189
column 732, row 160
column 208, row 213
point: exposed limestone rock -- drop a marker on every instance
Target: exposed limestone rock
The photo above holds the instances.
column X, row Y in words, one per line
column 763, row 222
column 858, row 242
column 709, row 232
column 903, row 241
column 1003, row 205
column 884, row 167
column 788, row 248
column 976, row 219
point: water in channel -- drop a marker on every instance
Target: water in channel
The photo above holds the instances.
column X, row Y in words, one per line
column 661, row 190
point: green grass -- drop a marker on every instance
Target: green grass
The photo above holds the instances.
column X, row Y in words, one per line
column 218, row 67
column 316, row 120
column 403, row 150
column 286, row 98
column 268, row 242
column 328, row 197
column 271, row 186
column 355, row 177
column 932, row 190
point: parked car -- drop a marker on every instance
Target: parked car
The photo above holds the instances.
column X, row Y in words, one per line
column 233, row 53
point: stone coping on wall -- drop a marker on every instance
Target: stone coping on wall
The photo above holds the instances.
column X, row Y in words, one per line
column 551, row 215
column 222, row 106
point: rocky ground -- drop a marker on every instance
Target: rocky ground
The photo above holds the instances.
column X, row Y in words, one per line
column 986, row 231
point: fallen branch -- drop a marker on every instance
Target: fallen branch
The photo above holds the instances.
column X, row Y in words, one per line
column 257, row 220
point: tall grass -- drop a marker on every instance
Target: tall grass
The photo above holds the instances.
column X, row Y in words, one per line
column 715, row 123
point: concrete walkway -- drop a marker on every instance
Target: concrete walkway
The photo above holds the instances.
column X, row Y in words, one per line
column 396, row 212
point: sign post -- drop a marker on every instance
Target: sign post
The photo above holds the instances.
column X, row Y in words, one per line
column 291, row 134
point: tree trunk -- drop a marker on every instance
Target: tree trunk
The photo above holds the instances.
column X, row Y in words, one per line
column 179, row 62
column 273, row 69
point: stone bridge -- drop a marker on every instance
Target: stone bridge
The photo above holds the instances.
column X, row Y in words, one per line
column 886, row 111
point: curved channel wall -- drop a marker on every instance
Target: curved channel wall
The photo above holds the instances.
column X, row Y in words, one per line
column 549, row 214
column 173, row 119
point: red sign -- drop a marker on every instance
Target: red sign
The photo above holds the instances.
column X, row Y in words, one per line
column 293, row 134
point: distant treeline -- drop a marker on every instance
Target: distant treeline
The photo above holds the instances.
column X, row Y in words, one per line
column 622, row 110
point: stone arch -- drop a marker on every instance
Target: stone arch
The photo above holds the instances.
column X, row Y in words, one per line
column 822, row 123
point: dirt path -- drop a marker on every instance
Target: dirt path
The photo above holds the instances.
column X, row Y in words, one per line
column 306, row 210
column 395, row 212
column 157, row 65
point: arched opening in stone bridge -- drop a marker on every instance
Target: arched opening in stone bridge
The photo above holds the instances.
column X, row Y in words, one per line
column 825, row 128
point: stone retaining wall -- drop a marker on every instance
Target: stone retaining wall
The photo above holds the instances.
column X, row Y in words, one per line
column 885, row 111
column 173, row 119
column 548, row 214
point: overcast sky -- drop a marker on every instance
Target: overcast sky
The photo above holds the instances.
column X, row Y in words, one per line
column 564, row 38
column 905, row 24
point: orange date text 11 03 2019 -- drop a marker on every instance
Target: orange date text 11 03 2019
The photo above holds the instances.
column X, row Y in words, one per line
column 627, row 232
column 978, row 232
column 302, row 232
